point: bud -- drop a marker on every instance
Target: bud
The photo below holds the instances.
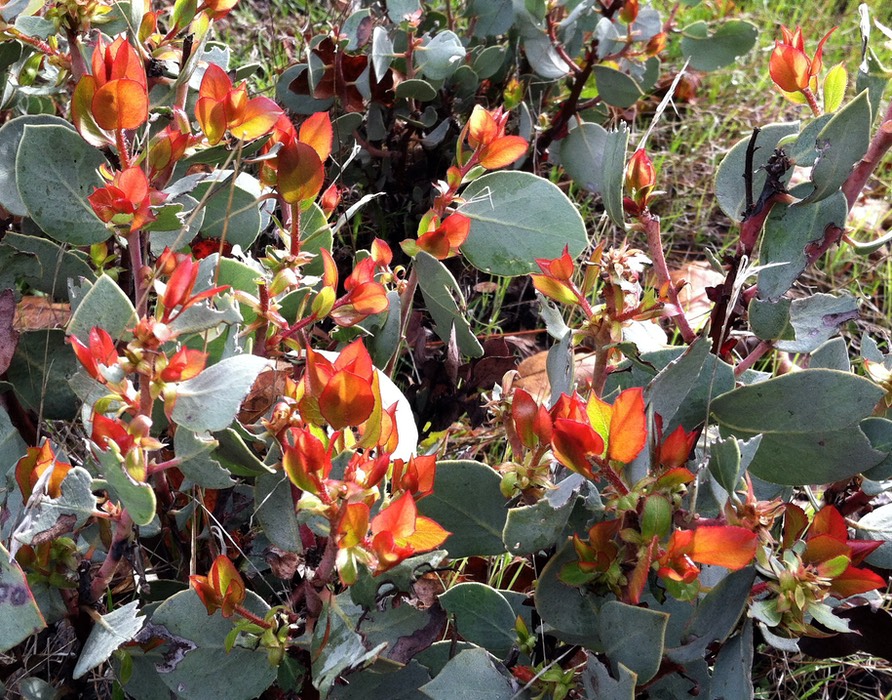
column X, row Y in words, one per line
column 656, row 45
column 640, row 177
column 629, row 11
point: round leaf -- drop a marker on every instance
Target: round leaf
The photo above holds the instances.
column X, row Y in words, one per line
column 203, row 668
column 482, row 616
column 56, row 170
column 19, row 615
column 10, row 138
column 508, row 228
column 712, row 51
column 467, row 502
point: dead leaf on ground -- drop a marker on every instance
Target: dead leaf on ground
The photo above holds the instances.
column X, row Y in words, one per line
column 534, row 374
column 9, row 338
column 698, row 275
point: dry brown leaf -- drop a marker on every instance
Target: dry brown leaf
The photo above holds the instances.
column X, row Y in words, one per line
column 39, row 313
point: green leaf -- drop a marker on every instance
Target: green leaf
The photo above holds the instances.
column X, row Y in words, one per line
column 770, row 320
column 508, row 230
column 482, row 616
column 19, row 615
column 724, row 463
column 386, row 331
column 104, row 305
column 193, row 661
column 493, row 17
column 390, row 624
column 530, row 529
column 730, row 187
column 197, row 463
column 600, row 685
column 12, row 447
column 236, row 457
column 274, row 510
column 398, row 10
column 616, row 88
column 10, row 137
column 296, row 102
column 708, row 52
column 614, row 165
column 840, row 145
column 804, row 441
column 543, row 58
column 833, row 354
column 572, row 614
column 71, row 509
column 41, row 263
column 416, row 89
column 400, row 684
column 489, row 61
column 596, row 160
column 41, row 367
column 732, row 676
column 682, row 390
column 468, row 503
column 640, row 646
column 716, row 615
column 877, row 525
column 443, row 299
column 211, row 400
column 788, row 231
column 872, row 76
column 336, row 647
column 56, row 170
column 400, row 578
column 382, row 51
column 110, row 632
column 835, row 87
column 137, row 497
column 879, row 432
column 815, row 319
column 803, row 152
column 232, row 212
column 469, row 675
column 438, row 58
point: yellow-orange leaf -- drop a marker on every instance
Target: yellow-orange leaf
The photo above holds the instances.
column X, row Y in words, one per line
column 346, row 400
column 300, row 172
column 628, row 426
column 257, row 118
column 428, row 535
column 316, row 132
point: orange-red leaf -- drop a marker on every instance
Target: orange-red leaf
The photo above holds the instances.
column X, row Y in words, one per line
column 723, row 545
column 503, row 152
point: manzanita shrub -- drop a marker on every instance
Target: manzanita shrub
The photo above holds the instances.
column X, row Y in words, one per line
column 212, row 488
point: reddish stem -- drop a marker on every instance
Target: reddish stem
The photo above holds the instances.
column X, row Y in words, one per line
column 655, row 246
column 295, row 230
column 881, row 142
column 251, row 617
column 116, row 550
